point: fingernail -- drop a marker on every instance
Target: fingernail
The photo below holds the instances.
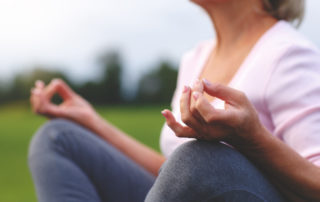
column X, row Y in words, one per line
column 35, row 91
column 55, row 80
column 185, row 89
column 206, row 82
column 39, row 83
column 197, row 82
column 164, row 113
column 195, row 95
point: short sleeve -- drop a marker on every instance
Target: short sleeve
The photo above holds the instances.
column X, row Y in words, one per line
column 293, row 100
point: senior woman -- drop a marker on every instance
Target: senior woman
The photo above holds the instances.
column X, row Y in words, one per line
column 253, row 108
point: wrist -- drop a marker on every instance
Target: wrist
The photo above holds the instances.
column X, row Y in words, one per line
column 251, row 140
column 94, row 121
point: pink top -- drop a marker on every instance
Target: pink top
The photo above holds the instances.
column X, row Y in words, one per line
column 281, row 78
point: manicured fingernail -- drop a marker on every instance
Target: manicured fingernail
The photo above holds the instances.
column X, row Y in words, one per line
column 55, row 80
column 39, row 83
column 197, row 82
column 164, row 113
column 35, row 91
column 195, row 95
column 205, row 81
column 185, row 89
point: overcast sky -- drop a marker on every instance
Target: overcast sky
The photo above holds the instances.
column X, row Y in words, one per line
column 70, row 34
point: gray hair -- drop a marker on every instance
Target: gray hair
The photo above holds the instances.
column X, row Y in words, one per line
column 289, row 10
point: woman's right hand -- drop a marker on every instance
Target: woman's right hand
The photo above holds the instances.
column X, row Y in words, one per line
column 73, row 107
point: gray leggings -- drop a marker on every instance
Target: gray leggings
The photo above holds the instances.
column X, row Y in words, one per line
column 69, row 163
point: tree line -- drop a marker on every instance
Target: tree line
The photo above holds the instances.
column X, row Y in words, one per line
column 154, row 87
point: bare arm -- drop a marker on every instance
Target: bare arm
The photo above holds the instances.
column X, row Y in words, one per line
column 141, row 154
column 296, row 177
column 77, row 109
column 238, row 124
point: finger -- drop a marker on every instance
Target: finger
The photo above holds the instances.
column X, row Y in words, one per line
column 41, row 104
column 37, row 102
column 35, row 91
column 186, row 115
column 208, row 112
column 32, row 90
column 60, row 87
column 48, row 109
column 53, row 111
column 33, row 102
column 36, row 99
column 223, row 92
column 197, row 88
column 39, row 84
column 176, row 127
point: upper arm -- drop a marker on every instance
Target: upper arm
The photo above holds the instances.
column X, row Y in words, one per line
column 293, row 99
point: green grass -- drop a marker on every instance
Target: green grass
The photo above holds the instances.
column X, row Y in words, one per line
column 17, row 124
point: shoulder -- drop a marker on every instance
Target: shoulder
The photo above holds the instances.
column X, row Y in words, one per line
column 284, row 40
column 287, row 54
column 295, row 72
column 295, row 51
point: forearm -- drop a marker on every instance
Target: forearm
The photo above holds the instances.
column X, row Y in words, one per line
column 293, row 174
column 76, row 109
column 141, row 154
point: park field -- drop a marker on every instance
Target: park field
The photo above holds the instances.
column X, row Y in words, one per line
column 17, row 124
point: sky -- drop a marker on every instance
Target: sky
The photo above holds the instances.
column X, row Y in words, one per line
column 69, row 35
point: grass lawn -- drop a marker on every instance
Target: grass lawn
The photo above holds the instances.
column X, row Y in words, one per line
column 17, row 124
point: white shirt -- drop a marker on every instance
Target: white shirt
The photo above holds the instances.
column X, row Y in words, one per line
column 281, row 78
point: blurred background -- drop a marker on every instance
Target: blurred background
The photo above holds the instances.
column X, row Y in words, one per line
column 124, row 48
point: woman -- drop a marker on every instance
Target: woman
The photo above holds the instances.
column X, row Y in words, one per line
column 255, row 88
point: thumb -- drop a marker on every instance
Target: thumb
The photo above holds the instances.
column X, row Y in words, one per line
column 60, row 87
column 50, row 110
column 198, row 86
column 55, row 111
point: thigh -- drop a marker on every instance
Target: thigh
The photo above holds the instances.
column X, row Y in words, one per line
column 69, row 156
column 207, row 171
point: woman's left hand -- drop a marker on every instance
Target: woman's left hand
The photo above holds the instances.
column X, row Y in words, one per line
column 238, row 122
column 238, row 125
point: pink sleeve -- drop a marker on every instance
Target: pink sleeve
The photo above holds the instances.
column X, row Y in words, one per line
column 293, row 100
column 317, row 163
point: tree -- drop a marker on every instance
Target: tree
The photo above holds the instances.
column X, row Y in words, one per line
column 158, row 85
column 106, row 90
column 110, row 86
column 23, row 82
column 3, row 92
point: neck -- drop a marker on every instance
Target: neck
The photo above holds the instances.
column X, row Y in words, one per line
column 238, row 22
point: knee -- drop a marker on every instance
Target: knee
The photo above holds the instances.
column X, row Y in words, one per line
column 202, row 153
column 47, row 136
column 208, row 169
column 196, row 165
column 205, row 162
